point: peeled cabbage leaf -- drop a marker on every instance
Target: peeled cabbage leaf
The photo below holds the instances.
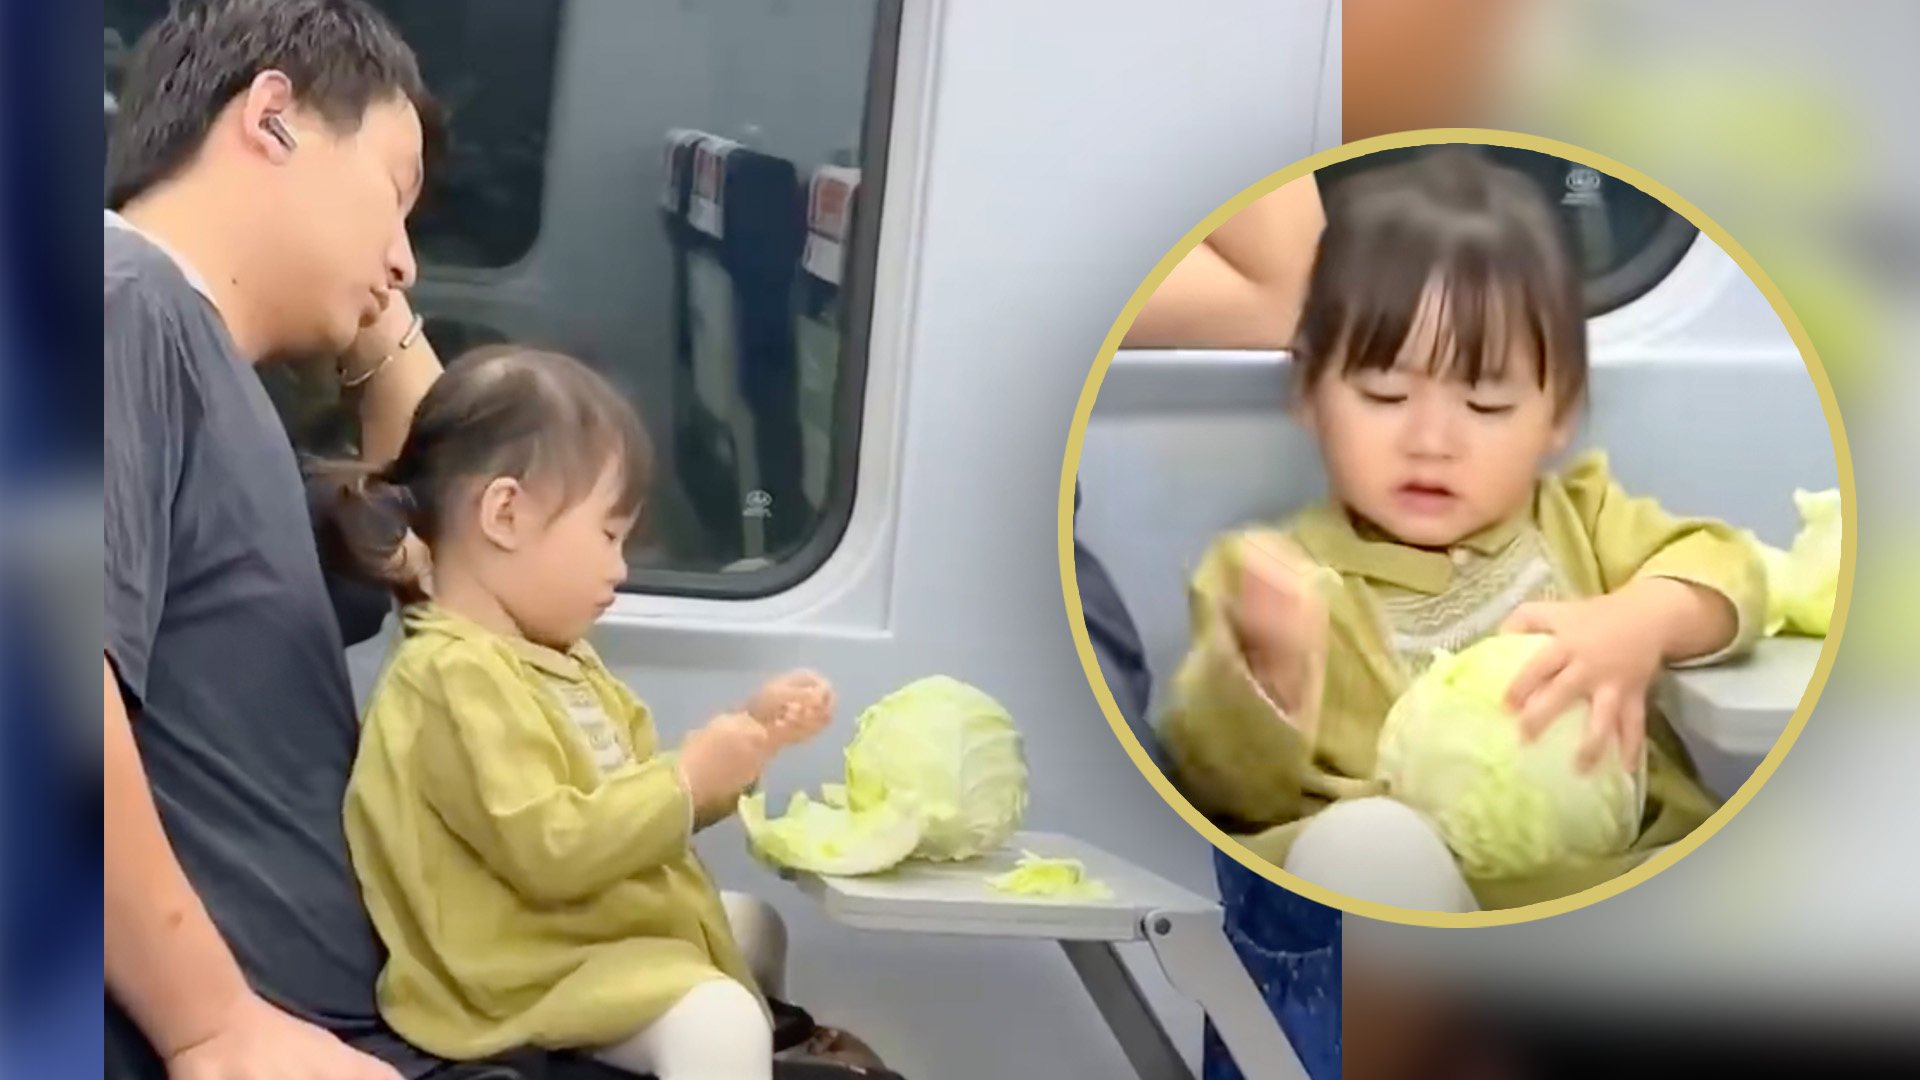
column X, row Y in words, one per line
column 1803, row 582
column 1813, row 563
column 951, row 755
column 822, row 838
column 1452, row 750
column 1052, row 879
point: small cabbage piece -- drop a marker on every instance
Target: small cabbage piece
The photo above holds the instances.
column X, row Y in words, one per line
column 1804, row 581
column 951, row 754
column 823, row 838
column 1452, row 750
column 1050, row 879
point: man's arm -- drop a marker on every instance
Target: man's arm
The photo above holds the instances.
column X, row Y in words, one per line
column 1243, row 287
column 400, row 378
column 165, row 962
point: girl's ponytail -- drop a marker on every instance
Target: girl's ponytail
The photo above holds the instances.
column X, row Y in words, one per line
column 361, row 519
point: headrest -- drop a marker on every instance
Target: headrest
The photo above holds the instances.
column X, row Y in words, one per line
column 677, row 168
column 830, row 202
column 706, row 200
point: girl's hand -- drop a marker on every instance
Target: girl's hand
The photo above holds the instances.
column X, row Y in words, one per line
column 1281, row 620
column 1603, row 651
column 793, row 707
column 720, row 760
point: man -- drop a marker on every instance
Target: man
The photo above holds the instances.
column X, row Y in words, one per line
column 263, row 162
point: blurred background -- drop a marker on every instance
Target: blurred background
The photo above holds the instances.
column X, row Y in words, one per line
column 1790, row 942
column 50, row 599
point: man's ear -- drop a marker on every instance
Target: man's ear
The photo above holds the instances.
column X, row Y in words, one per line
column 265, row 108
column 504, row 513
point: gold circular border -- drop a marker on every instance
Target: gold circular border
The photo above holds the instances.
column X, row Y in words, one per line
column 1076, row 619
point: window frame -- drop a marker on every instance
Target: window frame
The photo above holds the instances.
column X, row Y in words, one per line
column 1643, row 272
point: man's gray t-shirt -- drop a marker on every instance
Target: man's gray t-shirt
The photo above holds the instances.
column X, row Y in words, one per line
column 220, row 626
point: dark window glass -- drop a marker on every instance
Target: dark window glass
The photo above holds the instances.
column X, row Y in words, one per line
column 1624, row 240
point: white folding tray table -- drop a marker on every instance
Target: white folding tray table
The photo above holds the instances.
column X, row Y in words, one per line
column 1742, row 707
column 1184, row 930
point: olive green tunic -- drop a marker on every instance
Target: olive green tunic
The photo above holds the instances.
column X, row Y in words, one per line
column 524, row 849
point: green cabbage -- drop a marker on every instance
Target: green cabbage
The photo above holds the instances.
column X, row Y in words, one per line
column 1050, row 879
column 828, row 838
column 1452, row 750
column 1803, row 582
column 951, row 754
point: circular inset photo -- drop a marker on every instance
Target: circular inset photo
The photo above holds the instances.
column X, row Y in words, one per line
column 1457, row 527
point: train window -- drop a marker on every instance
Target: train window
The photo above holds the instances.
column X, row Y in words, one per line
column 1624, row 240
column 491, row 63
column 703, row 185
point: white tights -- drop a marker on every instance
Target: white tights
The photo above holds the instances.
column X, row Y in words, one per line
column 1381, row 850
column 717, row 1031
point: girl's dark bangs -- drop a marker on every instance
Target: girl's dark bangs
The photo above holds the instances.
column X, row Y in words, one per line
column 1376, row 302
column 1482, row 314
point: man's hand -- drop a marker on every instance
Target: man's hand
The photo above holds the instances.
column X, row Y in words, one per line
column 410, row 570
column 380, row 338
column 389, row 396
column 793, row 707
column 259, row 1042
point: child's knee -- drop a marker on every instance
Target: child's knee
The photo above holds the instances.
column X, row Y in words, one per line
column 735, row 1040
column 737, row 1007
column 716, row 1031
column 1381, row 850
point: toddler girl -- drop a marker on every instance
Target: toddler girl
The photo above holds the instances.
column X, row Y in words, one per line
column 523, row 841
column 1441, row 362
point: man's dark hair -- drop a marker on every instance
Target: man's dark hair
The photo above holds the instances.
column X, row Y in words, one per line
column 341, row 55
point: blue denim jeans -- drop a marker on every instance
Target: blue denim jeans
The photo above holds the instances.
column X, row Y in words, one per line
column 1291, row 947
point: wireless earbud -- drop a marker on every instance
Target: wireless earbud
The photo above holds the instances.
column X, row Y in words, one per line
column 277, row 128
